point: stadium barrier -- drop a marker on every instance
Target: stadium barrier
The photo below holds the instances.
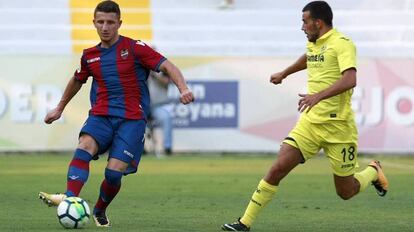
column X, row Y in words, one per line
column 237, row 109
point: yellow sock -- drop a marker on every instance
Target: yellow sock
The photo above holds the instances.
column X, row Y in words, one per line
column 260, row 198
column 365, row 177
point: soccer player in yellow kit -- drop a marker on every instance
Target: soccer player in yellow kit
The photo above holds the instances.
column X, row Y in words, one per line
column 327, row 120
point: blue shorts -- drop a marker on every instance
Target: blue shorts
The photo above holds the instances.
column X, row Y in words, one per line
column 123, row 138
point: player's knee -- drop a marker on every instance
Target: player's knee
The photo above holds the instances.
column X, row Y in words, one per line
column 281, row 169
column 113, row 177
column 87, row 143
column 345, row 195
column 276, row 174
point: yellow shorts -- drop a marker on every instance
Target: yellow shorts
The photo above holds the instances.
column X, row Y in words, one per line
column 339, row 141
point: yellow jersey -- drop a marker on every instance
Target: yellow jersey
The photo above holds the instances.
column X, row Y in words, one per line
column 327, row 58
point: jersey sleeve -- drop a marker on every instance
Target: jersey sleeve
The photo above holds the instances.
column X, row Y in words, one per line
column 82, row 73
column 346, row 53
column 147, row 56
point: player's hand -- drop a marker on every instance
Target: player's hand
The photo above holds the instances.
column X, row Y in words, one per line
column 277, row 78
column 307, row 101
column 186, row 97
column 53, row 115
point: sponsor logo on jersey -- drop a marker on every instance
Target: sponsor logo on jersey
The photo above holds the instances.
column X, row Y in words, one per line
column 93, row 60
column 316, row 58
column 124, row 53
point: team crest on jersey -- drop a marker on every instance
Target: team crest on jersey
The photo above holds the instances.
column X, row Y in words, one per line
column 323, row 48
column 124, row 53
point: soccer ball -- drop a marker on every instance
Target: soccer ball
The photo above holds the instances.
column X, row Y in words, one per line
column 73, row 213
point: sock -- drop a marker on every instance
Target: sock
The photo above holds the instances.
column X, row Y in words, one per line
column 260, row 198
column 109, row 188
column 78, row 172
column 365, row 177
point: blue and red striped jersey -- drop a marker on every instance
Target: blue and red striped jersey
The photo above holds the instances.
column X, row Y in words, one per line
column 119, row 87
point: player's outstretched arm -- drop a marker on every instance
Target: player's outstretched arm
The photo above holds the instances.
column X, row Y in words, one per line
column 300, row 64
column 71, row 89
column 177, row 77
column 347, row 81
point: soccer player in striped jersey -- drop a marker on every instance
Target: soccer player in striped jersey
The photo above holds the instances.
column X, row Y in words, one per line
column 119, row 97
column 327, row 120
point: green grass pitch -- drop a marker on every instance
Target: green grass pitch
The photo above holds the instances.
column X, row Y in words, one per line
column 201, row 192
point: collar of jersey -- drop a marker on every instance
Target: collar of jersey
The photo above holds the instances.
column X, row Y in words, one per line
column 113, row 45
column 325, row 36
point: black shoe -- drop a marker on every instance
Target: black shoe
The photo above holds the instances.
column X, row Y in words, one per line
column 235, row 226
column 168, row 151
column 101, row 220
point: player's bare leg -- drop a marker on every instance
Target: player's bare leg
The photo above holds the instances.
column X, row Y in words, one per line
column 347, row 187
column 289, row 158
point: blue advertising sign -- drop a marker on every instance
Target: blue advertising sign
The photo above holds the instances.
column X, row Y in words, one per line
column 216, row 105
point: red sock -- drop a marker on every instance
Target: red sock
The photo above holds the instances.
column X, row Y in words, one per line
column 78, row 172
column 109, row 188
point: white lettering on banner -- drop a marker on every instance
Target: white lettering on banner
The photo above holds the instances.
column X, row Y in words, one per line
column 20, row 103
column 381, row 106
column 26, row 105
column 204, row 110
column 218, row 110
column 195, row 111
column 215, row 106
column 229, row 110
column 48, row 97
column 3, row 103
column 199, row 91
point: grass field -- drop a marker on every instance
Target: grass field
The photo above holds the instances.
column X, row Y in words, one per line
column 199, row 193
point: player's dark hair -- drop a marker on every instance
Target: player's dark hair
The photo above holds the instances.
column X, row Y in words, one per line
column 108, row 7
column 320, row 10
